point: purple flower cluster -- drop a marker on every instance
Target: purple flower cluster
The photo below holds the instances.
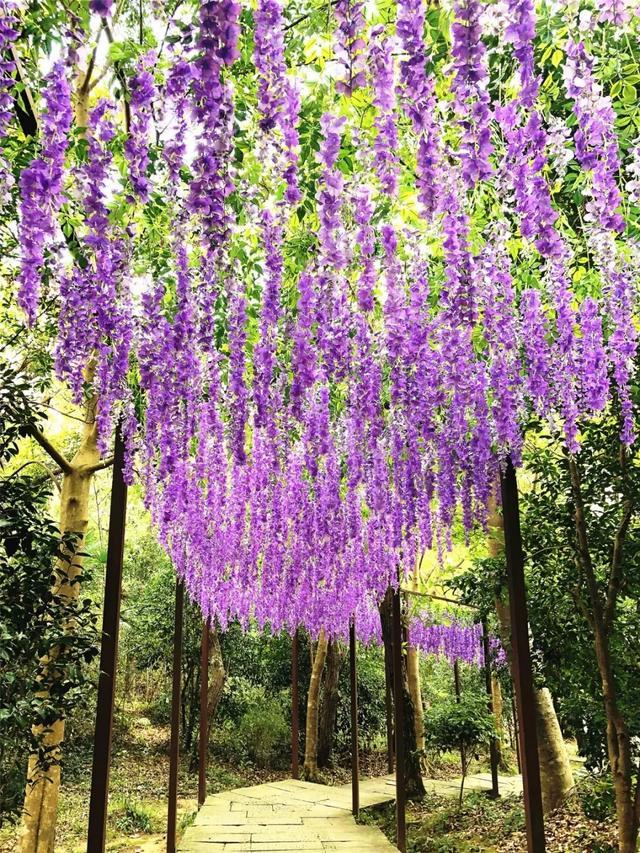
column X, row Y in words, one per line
column 41, row 188
column 103, row 8
column 386, row 142
column 136, row 148
column 417, row 97
column 472, row 102
column 350, row 47
column 324, row 399
column 453, row 641
column 8, row 34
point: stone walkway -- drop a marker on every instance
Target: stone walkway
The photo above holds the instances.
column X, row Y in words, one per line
column 299, row 816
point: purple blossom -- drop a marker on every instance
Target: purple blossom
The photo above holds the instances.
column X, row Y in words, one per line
column 350, row 46
column 472, row 102
column 41, row 188
column 417, row 97
column 8, row 34
column 136, row 148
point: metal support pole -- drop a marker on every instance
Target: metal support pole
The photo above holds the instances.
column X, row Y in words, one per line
column 493, row 744
column 401, row 799
column 99, row 798
column 456, row 682
column 174, row 753
column 522, row 674
column 295, row 723
column 355, row 758
column 388, row 702
column 516, row 732
column 203, row 732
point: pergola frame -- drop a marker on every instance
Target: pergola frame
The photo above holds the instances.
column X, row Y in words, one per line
column 521, row 669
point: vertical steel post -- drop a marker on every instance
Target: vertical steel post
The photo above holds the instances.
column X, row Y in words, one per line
column 174, row 752
column 295, row 723
column 516, row 732
column 522, row 674
column 456, row 683
column 388, row 702
column 99, row 797
column 355, row 757
column 493, row 744
column 401, row 794
column 203, row 731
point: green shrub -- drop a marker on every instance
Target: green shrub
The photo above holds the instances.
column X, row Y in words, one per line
column 466, row 726
column 596, row 797
column 132, row 817
column 264, row 730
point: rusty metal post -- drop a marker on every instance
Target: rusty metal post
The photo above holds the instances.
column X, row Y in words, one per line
column 355, row 757
column 295, row 723
column 456, row 683
column 401, row 793
column 203, row 731
column 388, row 703
column 174, row 751
column 96, row 835
column 522, row 674
column 516, row 732
column 493, row 744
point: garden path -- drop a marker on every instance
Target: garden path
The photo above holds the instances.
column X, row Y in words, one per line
column 292, row 815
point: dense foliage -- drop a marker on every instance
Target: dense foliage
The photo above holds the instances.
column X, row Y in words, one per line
column 35, row 621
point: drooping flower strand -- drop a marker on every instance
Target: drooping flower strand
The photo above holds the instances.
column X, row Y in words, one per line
column 41, row 188
column 597, row 152
column 8, row 34
column 270, row 63
column 350, row 45
column 472, row 101
column 136, row 147
column 417, row 98
column 385, row 144
column 217, row 44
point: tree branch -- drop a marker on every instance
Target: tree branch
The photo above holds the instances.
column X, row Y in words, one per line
column 99, row 466
column 64, row 465
column 582, row 541
column 50, row 474
column 615, row 574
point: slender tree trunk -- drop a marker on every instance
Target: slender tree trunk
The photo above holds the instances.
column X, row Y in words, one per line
column 415, row 690
column 414, row 783
column 329, row 702
column 600, row 618
column 498, row 705
column 556, row 777
column 217, row 676
column 310, row 768
column 43, row 786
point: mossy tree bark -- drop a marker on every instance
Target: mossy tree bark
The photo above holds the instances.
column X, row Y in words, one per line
column 413, row 770
column 43, row 782
column 310, row 769
column 556, row 777
column 600, row 614
column 329, row 702
column 37, row 833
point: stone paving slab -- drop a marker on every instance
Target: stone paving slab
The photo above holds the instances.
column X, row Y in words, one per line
column 290, row 816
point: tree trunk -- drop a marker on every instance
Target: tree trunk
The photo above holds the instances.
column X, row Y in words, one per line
column 43, row 786
column 310, row 769
column 329, row 702
column 413, row 676
column 498, row 704
column 556, row 777
column 217, row 675
column 413, row 769
column 600, row 620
